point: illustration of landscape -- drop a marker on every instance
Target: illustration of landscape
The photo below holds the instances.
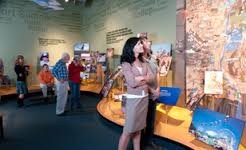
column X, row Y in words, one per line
column 215, row 41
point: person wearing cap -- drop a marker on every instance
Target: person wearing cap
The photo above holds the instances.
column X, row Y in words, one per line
column 60, row 72
column 74, row 70
column 46, row 80
column 22, row 72
column 154, row 93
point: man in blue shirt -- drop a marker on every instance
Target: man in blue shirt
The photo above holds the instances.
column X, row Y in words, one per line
column 60, row 72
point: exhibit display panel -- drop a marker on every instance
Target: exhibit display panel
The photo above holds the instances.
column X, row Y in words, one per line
column 81, row 47
column 171, row 122
column 216, row 129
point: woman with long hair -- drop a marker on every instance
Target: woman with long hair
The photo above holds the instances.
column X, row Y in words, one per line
column 21, row 71
column 137, row 74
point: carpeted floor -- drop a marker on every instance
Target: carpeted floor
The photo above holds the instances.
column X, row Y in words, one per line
column 36, row 127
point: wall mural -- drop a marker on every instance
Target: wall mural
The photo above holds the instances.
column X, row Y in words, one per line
column 215, row 41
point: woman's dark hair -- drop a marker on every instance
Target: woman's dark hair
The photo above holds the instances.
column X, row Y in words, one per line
column 45, row 65
column 17, row 60
column 127, row 53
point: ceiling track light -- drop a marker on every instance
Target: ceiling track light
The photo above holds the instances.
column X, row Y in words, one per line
column 76, row 1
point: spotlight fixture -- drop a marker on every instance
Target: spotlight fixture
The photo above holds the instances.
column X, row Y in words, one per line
column 66, row 1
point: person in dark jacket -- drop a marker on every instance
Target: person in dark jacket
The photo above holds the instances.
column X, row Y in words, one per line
column 22, row 72
column 74, row 70
column 154, row 93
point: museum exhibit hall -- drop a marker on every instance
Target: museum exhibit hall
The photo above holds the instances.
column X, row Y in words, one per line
column 123, row 74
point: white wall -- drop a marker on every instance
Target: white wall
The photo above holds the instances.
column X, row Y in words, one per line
column 23, row 23
column 157, row 17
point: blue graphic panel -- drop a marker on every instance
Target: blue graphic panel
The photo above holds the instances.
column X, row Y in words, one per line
column 216, row 129
column 169, row 95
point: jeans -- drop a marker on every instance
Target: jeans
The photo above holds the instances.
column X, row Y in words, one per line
column 21, row 87
column 75, row 94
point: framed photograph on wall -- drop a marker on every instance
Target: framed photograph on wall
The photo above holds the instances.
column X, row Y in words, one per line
column 101, row 58
column 213, row 82
column 81, row 47
column 164, row 64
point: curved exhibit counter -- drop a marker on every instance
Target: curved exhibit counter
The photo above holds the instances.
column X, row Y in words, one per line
column 87, row 87
column 172, row 122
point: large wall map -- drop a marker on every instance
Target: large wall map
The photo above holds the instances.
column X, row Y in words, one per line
column 216, row 33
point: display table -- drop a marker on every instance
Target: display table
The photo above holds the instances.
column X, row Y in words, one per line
column 171, row 122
